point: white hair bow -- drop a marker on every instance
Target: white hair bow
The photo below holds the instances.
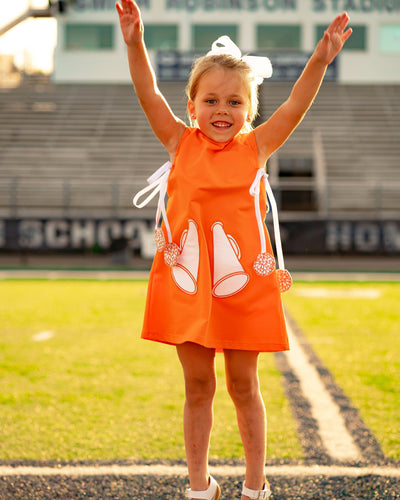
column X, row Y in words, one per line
column 260, row 66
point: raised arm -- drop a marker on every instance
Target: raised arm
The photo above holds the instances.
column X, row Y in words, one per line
column 275, row 131
column 166, row 126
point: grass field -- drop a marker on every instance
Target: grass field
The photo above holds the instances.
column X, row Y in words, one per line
column 355, row 330
column 78, row 383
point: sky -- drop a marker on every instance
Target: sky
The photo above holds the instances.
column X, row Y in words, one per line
column 32, row 42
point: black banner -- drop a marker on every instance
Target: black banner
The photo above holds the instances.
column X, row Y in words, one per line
column 312, row 237
column 287, row 66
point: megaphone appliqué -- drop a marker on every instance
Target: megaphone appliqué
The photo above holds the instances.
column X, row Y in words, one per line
column 185, row 271
column 229, row 275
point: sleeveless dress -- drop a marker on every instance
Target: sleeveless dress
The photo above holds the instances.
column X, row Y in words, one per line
column 212, row 295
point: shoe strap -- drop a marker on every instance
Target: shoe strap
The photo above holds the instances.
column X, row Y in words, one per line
column 208, row 494
column 256, row 494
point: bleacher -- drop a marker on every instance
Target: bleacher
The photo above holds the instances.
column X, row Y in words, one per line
column 84, row 150
column 359, row 130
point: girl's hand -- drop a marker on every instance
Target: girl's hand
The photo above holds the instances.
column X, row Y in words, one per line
column 130, row 21
column 333, row 40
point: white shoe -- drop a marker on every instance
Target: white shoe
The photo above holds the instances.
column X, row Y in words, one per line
column 211, row 493
column 256, row 494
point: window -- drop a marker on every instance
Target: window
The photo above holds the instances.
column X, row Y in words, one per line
column 161, row 36
column 296, row 168
column 296, row 184
column 89, row 37
column 279, row 37
column 389, row 39
column 205, row 34
column 357, row 41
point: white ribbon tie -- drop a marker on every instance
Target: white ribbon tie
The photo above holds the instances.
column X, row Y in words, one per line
column 255, row 191
column 157, row 184
column 260, row 66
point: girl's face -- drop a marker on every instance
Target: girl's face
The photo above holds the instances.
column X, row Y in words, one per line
column 221, row 105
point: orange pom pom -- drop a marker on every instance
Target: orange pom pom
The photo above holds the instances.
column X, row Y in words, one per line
column 264, row 264
column 284, row 280
column 160, row 239
column 171, row 254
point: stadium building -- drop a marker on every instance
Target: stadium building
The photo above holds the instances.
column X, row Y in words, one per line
column 90, row 47
column 74, row 149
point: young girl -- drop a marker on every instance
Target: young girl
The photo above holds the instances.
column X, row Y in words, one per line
column 213, row 284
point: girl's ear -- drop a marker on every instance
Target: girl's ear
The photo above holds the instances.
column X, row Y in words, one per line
column 191, row 110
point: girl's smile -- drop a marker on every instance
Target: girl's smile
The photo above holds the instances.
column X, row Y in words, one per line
column 221, row 104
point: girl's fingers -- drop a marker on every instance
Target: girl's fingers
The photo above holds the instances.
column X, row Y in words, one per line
column 135, row 10
column 127, row 6
column 335, row 23
column 130, row 7
column 344, row 20
column 342, row 26
column 339, row 23
column 346, row 35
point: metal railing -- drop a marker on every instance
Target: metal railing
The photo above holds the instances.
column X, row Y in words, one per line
column 304, row 197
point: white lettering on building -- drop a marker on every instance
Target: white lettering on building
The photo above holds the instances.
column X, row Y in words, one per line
column 383, row 6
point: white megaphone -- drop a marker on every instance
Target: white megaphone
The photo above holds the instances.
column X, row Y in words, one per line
column 186, row 270
column 229, row 275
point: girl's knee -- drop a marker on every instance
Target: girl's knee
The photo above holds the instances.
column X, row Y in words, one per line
column 200, row 391
column 242, row 376
column 199, row 372
column 243, row 391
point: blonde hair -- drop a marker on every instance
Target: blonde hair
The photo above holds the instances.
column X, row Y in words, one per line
column 205, row 64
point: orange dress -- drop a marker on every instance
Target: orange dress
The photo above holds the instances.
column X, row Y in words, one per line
column 212, row 295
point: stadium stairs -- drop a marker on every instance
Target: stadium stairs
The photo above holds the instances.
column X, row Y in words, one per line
column 84, row 150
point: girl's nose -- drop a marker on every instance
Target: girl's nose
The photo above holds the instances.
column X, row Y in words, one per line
column 221, row 110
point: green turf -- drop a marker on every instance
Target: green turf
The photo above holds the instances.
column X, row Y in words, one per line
column 355, row 329
column 94, row 390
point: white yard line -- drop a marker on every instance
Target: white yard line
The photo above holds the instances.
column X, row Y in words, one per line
column 143, row 275
column 72, row 274
column 331, row 426
column 358, row 276
column 180, row 470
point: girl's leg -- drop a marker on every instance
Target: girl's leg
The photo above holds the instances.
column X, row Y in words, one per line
column 200, row 383
column 243, row 387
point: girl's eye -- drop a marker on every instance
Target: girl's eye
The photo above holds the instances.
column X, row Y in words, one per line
column 235, row 103
column 211, row 101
